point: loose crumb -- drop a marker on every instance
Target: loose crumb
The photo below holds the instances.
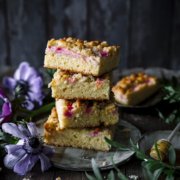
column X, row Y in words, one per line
column 133, row 177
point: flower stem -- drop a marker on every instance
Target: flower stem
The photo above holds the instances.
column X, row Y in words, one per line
column 43, row 109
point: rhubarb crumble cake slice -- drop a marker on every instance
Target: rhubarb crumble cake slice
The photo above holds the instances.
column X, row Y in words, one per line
column 91, row 138
column 135, row 88
column 75, row 55
column 80, row 114
column 66, row 85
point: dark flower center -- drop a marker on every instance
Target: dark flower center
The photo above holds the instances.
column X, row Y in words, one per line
column 34, row 142
column 1, row 105
column 21, row 88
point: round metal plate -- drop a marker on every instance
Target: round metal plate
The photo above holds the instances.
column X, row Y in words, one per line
column 80, row 159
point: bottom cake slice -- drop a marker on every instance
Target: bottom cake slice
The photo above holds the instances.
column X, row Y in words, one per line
column 90, row 138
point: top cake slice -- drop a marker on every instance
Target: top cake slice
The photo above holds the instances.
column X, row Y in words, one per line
column 91, row 58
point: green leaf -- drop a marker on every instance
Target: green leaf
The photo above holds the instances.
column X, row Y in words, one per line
column 134, row 146
column 157, row 173
column 157, row 151
column 140, row 155
column 152, row 165
column 96, row 170
column 117, row 145
column 172, row 155
column 44, row 109
column 89, row 177
column 171, row 118
column 111, row 176
column 172, row 93
column 161, row 115
column 50, row 72
column 148, row 173
column 132, row 143
column 120, row 175
column 169, row 177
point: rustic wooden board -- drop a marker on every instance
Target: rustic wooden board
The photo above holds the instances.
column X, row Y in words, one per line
column 150, row 35
column 55, row 19
column 175, row 48
column 109, row 21
column 27, row 31
column 147, row 31
column 3, row 35
column 67, row 18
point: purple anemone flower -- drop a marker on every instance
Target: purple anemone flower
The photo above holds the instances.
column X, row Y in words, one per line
column 23, row 156
column 5, row 108
column 26, row 83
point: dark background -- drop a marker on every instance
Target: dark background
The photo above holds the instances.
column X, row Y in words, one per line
column 147, row 30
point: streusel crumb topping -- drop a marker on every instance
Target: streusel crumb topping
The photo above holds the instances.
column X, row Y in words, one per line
column 88, row 48
column 134, row 82
column 74, row 77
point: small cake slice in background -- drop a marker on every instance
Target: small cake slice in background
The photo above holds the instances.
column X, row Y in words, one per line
column 91, row 138
column 135, row 88
column 71, row 54
column 80, row 114
column 66, row 85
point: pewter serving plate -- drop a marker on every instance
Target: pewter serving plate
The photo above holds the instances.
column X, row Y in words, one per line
column 146, row 142
column 80, row 159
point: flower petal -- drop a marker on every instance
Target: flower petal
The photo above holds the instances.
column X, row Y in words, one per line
column 11, row 148
column 20, row 142
column 45, row 162
column 33, row 159
column 30, row 74
column 36, row 84
column 24, row 130
column 36, row 97
column 9, row 83
column 22, row 166
column 22, row 69
column 32, row 129
column 28, row 105
column 2, row 94
column 18, row 152
column 6, row 112
column 12, row 129
column 6, row 109
column 10, row 160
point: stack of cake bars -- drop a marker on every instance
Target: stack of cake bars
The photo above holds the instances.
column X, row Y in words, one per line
column 84, row 114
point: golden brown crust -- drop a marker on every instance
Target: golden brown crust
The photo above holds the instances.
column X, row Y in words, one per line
column 83, row 98
column 134, row 82
column 103, row 150
column 48, row 125
column 73, row 71
column 64, row 75
column 88, row 48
